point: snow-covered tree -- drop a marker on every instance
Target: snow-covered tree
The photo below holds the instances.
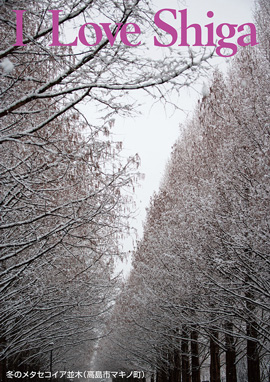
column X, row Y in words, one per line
column 62, row 179
column 198, row 295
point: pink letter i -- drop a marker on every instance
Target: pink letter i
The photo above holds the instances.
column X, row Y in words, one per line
column 19, row 29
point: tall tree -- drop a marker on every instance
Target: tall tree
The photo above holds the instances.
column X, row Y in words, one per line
column 62, row 179
column 203, row 261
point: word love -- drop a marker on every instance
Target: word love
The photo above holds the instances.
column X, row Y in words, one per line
column 219, row 37
column 123, row 28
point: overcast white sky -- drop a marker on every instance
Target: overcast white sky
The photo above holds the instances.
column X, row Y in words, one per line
column 153, row 133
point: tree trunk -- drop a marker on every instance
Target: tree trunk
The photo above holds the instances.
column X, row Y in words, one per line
column 230, row 354
column 195, row 362
column 161, row 376
column 253, row 360
column 171, row 365
column 177, row 366
column 185, row 355
column 3, row 370
column 214, row 355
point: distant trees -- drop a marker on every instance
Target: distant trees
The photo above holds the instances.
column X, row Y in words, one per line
column 63, row 207
column 197, row 301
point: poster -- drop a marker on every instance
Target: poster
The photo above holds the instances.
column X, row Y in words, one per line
column 134, row 190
